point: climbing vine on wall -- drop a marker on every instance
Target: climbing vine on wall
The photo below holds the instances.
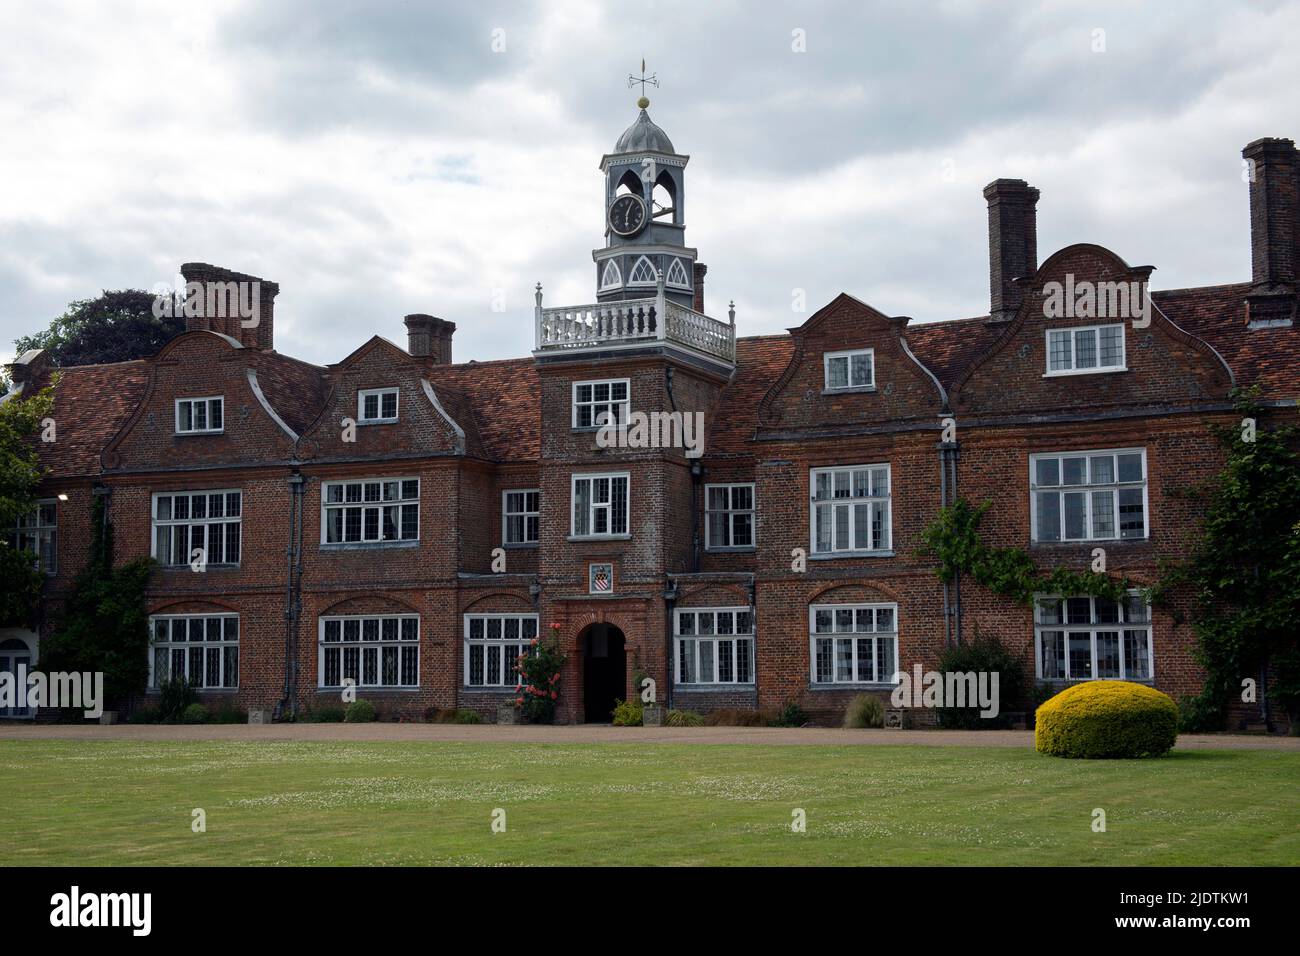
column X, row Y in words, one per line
column 953, row 540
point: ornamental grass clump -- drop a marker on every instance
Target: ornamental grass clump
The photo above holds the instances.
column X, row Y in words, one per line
column 1107, row 718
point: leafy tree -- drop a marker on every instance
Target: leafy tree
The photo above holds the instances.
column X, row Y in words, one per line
column 20, row 474
column 116, row 327
column 105, row 627
column 1245, row 569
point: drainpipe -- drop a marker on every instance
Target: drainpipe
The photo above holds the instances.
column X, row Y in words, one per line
column 670, row 604
column 697, row 473
column 954, row 453
column 943, row 503
column 292, row 598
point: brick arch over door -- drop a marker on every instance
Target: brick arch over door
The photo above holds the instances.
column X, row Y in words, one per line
column 572, row 627
column 192, row 606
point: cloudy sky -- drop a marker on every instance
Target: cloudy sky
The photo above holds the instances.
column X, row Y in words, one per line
column 380, row 158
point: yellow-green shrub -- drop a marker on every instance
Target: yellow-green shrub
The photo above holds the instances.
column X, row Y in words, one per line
column 1107, row 718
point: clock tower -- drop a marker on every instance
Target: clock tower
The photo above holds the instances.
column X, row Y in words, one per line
column 645, row 221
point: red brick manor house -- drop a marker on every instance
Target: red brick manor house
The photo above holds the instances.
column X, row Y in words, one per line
column 347, row 518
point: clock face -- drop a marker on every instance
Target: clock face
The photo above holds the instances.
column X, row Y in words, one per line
column 627, row 215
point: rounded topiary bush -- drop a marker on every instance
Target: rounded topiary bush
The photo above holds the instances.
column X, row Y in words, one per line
column 1107, row 718
column 194, row 714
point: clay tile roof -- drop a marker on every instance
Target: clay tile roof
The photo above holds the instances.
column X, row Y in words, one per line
column 1217, row 314
column 91, row 402
column 948, row 348
column 295, row 389
column 760, row 360
column 499, row 402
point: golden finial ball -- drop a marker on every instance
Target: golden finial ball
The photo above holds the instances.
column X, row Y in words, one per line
column 643, row 102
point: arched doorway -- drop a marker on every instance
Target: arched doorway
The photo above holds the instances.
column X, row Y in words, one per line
column 604, row 671
column 14, row 652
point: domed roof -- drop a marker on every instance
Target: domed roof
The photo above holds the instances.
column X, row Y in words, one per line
column 643, row 136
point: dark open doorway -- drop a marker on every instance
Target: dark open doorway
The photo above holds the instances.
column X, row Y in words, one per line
column 604, row 671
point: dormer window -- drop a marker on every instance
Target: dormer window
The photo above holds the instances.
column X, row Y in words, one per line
column 200, row 416
column 375, row 406
column 1085, row 349
column 854, row 369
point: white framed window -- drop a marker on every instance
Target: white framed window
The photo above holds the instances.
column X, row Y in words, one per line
column 1082, row 349
column 380, row 650
column 376, row 406
column 677, row 275
column 853, row 643
column 852, row 369
column 37, row 532
column 493, row 645
column 850, row 509
column 600, row 402
column 1089, row 638
column 521, row 516
column 643, row 273
column 714, row 645
column 200, row 416
column 200, row 648
column 600, row 504
column 370, row 511
column 729, row 516
column 1089, row 495
column 197, row 526
column 611, row 277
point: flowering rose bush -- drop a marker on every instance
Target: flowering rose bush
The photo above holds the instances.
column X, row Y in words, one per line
column 538, row 688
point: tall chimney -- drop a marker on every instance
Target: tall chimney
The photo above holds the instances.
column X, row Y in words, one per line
column 1013, row 243
column 236, row 304
column 429, row 337
column 698, row 277
column 1273, row 169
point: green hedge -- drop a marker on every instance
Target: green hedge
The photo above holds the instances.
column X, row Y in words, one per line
column 1107, row 718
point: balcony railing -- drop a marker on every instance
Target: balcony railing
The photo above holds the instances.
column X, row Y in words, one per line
column 629, row 321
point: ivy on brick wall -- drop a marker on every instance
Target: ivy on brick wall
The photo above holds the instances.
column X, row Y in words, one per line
column 953, row 541
column 105, row 627
column 1244, row 570
column 20, row 475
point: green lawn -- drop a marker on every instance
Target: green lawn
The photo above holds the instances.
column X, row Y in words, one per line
column 118, row 802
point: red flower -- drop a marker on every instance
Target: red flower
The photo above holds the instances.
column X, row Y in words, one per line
column 554, row 695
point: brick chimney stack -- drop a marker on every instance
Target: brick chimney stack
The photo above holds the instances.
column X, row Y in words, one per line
column 699, row 272
column 1274, row 176
column 429, row 337
column 1013, row 243
column 236, row 304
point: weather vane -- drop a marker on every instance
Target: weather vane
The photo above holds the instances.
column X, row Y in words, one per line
column 652, row 79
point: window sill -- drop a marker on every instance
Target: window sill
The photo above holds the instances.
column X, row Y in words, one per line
column 370, row 545
column 748, row 549
column 1085, row 371
column 1069, row 681
column 849, row 390
column 520, row 546
column 207, row 567
column 1084, row 543
column 378, row 421
column 579, row 538
column 201, row 691
column 832, row 555
column 714, row 688
column 496, row 690
column 219, row 431
column 856, row 685
column 386, row 689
